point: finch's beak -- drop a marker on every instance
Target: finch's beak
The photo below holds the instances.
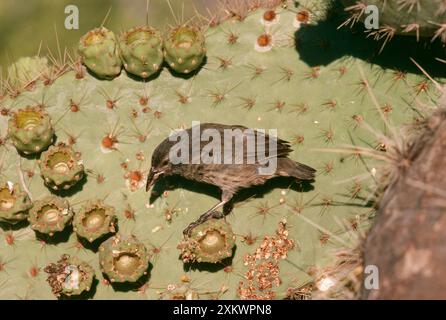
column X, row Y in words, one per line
column 152, row 178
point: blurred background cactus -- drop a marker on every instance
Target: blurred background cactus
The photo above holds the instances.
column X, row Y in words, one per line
column 404, row 17
column 345, row 109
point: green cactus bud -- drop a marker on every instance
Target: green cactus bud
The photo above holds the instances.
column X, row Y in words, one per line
column 94, row 220
column 30, row 130
column 99, row 51
column 14, row 204
column 70, row 276
column 123, row 259
column 50, row 215
column 184, row 49
column 211, row 241
column 142, row 51
column 61, row 167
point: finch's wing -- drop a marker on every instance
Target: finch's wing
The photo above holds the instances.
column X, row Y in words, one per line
column 253, row 145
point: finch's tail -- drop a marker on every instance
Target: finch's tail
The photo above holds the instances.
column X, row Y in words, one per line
column 289, row 168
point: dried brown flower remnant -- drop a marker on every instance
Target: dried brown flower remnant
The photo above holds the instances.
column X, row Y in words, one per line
column 69, row 276
column 263, row 266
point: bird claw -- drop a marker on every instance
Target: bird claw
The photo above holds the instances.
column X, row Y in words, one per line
column 202, row 219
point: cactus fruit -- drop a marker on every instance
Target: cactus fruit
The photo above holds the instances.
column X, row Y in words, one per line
column 70, row 276
column 123, row 259
column 184, row 49
column 212, row 241
column 99, row 50
column 94, row 221
column 61, row 167
column 141, row 51
column 14, row 204
column 50, row 215
column 30, row 130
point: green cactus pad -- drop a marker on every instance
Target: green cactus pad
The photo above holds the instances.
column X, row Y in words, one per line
column 211, row 242
column 94, row 220
column 30, row 130
column 50, row 215
column 70, row 276
column 61, row 167
column 184, row 49
column 99, row 50
column 141, row 51
column 123, row 259
column 14, row 204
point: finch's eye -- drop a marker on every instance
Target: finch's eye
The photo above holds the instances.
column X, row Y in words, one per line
column 165, row 162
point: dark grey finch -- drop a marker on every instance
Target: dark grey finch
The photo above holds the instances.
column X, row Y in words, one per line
column 230, row 178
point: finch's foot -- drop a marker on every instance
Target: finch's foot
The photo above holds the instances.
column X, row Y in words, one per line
column 202, row 219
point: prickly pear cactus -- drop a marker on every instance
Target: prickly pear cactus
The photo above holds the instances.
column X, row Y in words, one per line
column 286, row 234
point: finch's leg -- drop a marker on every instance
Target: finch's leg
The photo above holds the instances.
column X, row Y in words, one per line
column 210, row 214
